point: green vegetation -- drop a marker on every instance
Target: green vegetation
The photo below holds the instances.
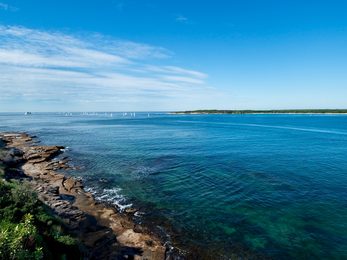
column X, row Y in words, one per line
column 284, row 111
column 20, row 241
column 27, row 229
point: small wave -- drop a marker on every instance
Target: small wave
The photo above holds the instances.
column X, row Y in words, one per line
column 111, row 196
column 139, row 214
column 65, row 149
column 143, row 171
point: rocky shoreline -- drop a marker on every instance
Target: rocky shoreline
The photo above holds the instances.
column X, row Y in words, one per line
column 104, row 232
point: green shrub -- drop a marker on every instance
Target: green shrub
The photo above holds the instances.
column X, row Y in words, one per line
column 20, row 241
column 66, row 240
column 27, row 229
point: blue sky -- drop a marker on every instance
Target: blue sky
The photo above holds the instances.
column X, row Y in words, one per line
column 127, row 55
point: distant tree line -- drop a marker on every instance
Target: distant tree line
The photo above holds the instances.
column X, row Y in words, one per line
column 274, row 111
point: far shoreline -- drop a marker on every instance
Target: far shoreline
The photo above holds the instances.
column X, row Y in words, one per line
column 264, row 112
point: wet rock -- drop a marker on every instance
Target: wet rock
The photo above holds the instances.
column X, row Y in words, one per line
column 15, row 173
column 65, row 161
column 139, row 229
column 130, row 210
column 10, row 160
column 2, row 143
column 67, row 197
column 53, row 190
column 15, row 152
column 63, row 167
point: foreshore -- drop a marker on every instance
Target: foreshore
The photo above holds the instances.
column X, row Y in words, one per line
column 104, row 232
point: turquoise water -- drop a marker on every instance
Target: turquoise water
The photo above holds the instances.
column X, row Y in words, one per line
column 275, row 185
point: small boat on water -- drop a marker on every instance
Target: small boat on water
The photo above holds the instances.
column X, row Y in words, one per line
column 27, row 113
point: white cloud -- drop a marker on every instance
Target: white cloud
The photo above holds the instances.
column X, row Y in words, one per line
column 48, row 68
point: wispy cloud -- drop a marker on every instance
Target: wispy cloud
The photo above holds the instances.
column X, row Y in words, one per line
column 3, row 6
column 48, row 68
column 181, row 19
column 119, row 4
column 7, row 7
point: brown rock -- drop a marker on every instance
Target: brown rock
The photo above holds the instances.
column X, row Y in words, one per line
column 70, row 183
column 130, row 210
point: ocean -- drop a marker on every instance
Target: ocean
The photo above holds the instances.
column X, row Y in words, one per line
column 266, row 185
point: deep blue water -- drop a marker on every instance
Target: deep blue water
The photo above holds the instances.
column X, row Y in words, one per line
column 273, row 184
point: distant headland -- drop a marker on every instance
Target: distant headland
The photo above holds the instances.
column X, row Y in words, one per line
column 280, row 111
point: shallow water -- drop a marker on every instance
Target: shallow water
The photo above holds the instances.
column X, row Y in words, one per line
column 272, row 184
